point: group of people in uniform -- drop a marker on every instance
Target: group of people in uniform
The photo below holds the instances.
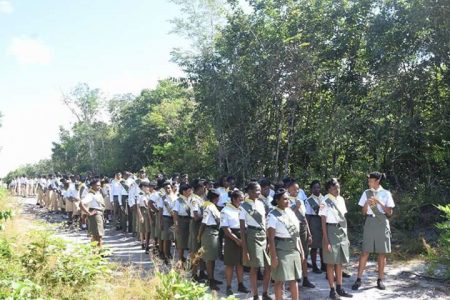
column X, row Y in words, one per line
column 267, row 229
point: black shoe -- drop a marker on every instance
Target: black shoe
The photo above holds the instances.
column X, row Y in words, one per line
column 346, row 275
column 380, row 285
column 229, row 292
column 317, row 270
column 333, row 295
column 307, row 283
column 143, row 246
column 246, row 269
column 147, row 250
column 356, row 285
column 217, row 281
column 213, row 286
column 242, row 288
column 266, row 296
column 341, row 292
column 256, row 297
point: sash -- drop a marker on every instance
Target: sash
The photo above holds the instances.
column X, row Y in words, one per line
column 315, row 207
column 343, row 221
column 186, row 206
column 290, row 227
column 378, row 215
column 254, row 214
column 299, row 213
column 125, row 186
column 166, row 204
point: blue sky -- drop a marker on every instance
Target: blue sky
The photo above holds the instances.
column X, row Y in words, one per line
column 47, row 47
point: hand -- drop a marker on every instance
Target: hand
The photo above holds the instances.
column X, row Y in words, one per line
column 142, row 219
column 93, row 213
column 199, row 238
column 309, row 240
column 246, row 256
column 274, row 262
column 328, row 247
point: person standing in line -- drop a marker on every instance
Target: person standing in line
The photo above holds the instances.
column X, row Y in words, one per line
column 116, row 198
column 181, row 218
column 229, row 222
column 285, row 247
column 93, row 205
column 155, row 230
column 335, row 238
column 143, row 215
column 208, row 234
column 165, row 207
column 196, row 213
column 312, row 205
column 252, row 218
column 298, row 206
column 377, row 204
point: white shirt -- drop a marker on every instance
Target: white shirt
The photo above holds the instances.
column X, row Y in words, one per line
column 267, row 201
column 210, row 213
column 318, row 200
column 82, row 192
column 115, row 190
column 72, row 191
column 280, row 229
column 331, row 215
column 142, row 200
column 195, row 204
column 154, row 197
column 181, row 208
column 169, row 199
column 256, row 205
column 229, row 217
column 381, row 194
column 93, row 200
column 223, row 197
column 133, row 193
column 293, row 203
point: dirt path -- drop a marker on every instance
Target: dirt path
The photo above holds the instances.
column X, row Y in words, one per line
column 400, row 281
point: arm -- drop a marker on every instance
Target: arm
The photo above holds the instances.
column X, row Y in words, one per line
column 326, row 244
column 197, row 216
column 175, row 220
column 200, row 232
column 309, row 232
column 231, row 235
column 272, row 249
column 387, row 210
column 245, row 254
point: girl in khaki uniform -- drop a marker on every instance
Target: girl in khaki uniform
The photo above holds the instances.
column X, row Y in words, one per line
column 335, row 240
column 377, row 204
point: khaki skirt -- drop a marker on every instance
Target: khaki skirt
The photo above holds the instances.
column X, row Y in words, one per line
column 95, row 225
column 210, row 243
column 194, row 226
column 377, row 235
column 182, row 236
column 315, row 226
column 167, row 230
column 289, row 262
column 232, row 253
column 108, row 204
column 339, row 246
column 144, row 227
column 256, row 245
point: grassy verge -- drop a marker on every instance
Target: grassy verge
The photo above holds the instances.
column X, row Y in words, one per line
column 34, row 264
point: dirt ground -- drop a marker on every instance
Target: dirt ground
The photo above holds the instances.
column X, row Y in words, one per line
column 404, row 280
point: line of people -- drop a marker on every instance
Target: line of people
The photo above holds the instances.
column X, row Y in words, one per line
column 269, row 229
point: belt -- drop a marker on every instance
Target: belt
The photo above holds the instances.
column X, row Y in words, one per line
column 97, row 209
column 334, row 225
column 212, row 226
column 168, row 217
column 283, row 239
column 184, row 217
column 314, row 216
column 255, row 228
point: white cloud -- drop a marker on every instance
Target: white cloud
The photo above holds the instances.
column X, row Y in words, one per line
column 30, row 51
column 6, row 7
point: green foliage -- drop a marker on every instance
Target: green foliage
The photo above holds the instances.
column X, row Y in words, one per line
column 174, row 286
column 441, row 254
